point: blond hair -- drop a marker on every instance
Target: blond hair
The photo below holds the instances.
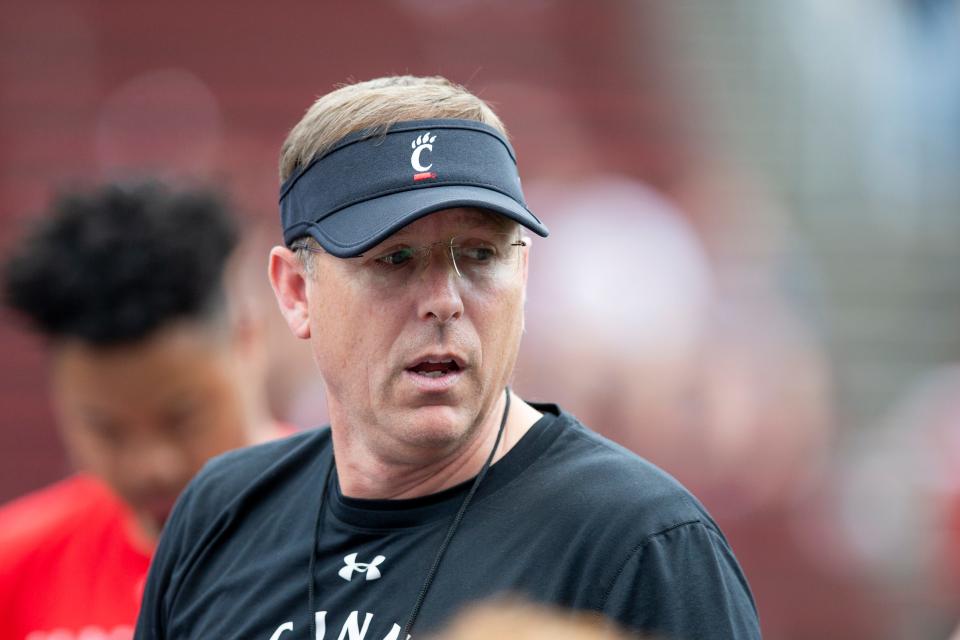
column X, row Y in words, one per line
column 376, row 104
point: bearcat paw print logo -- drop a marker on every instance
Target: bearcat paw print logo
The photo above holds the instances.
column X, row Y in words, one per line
column 423, row 142
column 424, row 139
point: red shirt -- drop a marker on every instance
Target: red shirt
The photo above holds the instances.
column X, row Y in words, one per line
column 71, row 564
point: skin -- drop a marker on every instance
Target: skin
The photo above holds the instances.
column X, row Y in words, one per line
column 144, row 417
column 391, row 438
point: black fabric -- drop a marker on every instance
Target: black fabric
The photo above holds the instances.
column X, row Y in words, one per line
column 565, row 517
column 367, row 186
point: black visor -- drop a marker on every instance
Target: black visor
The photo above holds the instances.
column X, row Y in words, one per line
column 370, row 185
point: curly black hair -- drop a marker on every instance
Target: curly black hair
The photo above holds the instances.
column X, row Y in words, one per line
column 115, row 264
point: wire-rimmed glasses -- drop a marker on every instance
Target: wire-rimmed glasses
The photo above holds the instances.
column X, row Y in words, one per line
column 482, row 257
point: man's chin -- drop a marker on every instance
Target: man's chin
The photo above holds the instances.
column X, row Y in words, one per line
column 434, row 426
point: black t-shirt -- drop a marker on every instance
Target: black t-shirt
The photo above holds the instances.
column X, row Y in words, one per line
column 566, row 517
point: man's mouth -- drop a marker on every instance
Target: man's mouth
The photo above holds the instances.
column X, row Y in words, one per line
column 435, row 368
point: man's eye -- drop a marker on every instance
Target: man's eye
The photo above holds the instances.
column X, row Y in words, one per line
column 396, row 258
column 479, row 253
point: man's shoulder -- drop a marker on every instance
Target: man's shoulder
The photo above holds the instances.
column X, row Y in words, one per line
column 647, row 542
column 230, row 500
column 615, row 484
column 49, row 516
column 239, row 472
column 249, row 464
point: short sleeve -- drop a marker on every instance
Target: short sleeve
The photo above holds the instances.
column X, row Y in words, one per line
column 684, row 584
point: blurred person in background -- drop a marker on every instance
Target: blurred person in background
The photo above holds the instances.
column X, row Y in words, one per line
column 154, row 369
column 699, row 386
column 405, row 266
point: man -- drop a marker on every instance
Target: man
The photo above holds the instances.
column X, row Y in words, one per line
column 405, row 268
column 153, row 372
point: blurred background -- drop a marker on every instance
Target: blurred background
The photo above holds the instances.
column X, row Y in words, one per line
column 753, row 276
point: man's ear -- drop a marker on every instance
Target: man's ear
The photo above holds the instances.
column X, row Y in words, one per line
column 289, row 282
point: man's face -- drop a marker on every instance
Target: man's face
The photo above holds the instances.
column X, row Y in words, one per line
column 413, row 363
column 145, row 417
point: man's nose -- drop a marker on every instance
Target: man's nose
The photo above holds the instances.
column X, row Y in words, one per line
column 439, row 287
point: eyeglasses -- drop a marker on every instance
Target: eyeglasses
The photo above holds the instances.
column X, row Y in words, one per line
column 483, row 258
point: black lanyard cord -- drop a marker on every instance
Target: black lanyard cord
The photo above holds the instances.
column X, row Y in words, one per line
column 456, row 520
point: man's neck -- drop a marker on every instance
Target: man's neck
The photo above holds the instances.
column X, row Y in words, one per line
column 363, row 474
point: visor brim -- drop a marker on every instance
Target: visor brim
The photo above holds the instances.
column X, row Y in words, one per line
column 355, row 229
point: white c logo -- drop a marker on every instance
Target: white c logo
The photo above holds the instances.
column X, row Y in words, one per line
column 422, row 142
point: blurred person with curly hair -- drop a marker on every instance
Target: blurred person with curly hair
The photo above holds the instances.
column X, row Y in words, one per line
column 154, row 370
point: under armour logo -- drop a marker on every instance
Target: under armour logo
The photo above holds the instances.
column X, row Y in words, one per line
column 352, row 566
